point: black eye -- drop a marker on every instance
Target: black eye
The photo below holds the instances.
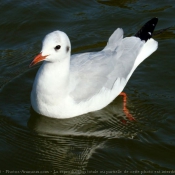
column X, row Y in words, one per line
column 57, row 47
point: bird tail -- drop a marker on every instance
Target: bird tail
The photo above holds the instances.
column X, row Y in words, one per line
column 150, row 46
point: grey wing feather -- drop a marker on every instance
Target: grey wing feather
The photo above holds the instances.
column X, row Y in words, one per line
column 90, row 72
column 114, row 40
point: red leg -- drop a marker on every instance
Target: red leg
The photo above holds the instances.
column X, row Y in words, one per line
column 125, row 109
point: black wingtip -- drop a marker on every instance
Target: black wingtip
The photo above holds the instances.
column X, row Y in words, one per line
column 147, row 30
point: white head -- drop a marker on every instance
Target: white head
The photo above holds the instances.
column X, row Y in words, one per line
column 56, row 46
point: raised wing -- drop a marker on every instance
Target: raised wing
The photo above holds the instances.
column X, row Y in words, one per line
column 90, row 72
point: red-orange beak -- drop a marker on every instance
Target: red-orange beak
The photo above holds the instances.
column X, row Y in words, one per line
column 37, row 59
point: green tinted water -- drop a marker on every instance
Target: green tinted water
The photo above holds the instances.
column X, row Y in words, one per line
column 99, row 142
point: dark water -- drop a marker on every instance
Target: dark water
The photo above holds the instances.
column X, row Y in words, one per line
column 99, row 142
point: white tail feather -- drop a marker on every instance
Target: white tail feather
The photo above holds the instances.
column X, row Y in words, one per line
column 148, row 48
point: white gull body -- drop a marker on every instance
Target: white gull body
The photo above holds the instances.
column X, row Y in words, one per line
column 67, row 86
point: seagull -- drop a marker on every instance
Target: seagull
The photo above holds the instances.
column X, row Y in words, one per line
column 68, row 85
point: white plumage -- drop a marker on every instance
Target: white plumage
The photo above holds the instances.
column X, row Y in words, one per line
column 66, row 86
